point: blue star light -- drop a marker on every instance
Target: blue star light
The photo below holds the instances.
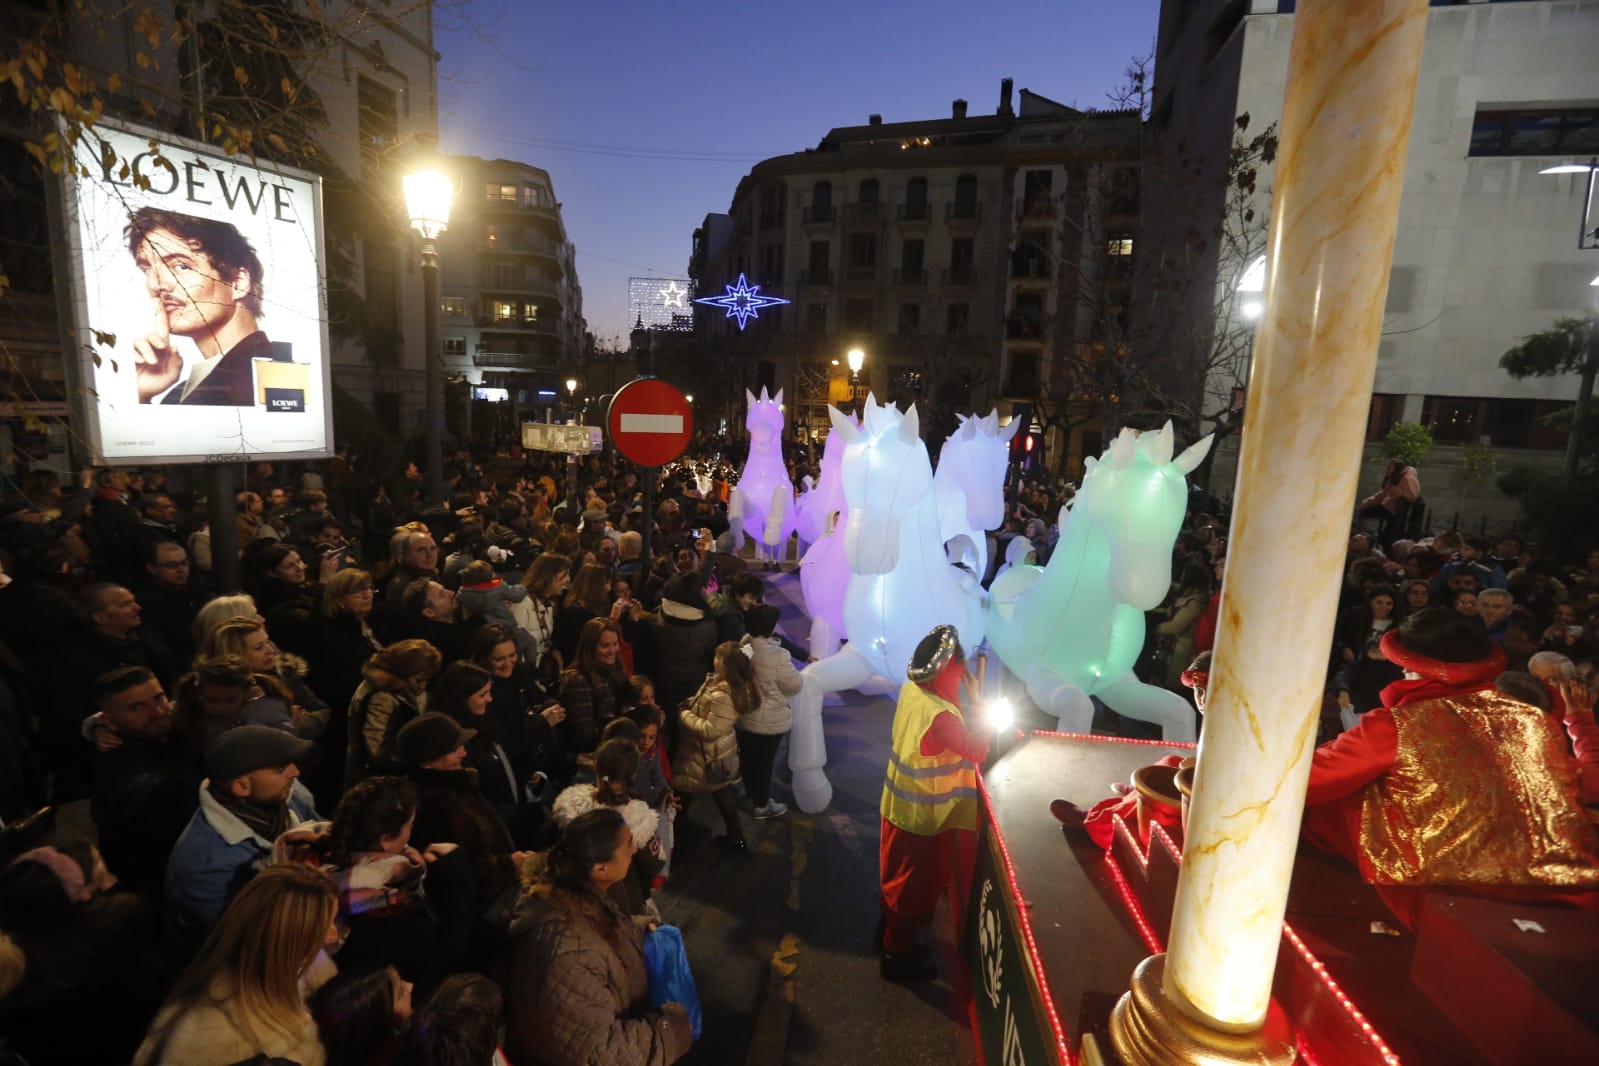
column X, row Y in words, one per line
column 743, row 301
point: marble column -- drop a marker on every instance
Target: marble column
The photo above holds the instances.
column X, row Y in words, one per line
column 1345, row 129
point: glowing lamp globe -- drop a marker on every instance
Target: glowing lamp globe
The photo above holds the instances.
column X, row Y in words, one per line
column 427, row 202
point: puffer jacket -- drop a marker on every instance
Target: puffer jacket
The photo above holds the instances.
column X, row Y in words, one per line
column 378, row 709
column 573, row 998
column 777, row 679
column 708, row 736
column 683, row 642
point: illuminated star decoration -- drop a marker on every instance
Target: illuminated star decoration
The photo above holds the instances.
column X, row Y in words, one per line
column 743, row 301
column 672, row 296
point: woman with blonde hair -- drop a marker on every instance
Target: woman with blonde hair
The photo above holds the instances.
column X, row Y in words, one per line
column 244, row 995
column 219, row 610
column 393, row 693
column 707, row 754
column 246, row 639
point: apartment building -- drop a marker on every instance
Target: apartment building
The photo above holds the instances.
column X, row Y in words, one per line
column 968, row 256
column 513, row 309
column 1487, row 249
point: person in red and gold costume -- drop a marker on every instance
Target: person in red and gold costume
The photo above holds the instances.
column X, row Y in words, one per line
column 930, row 805
column 1453, row 785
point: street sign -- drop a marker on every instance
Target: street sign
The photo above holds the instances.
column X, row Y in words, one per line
column 650, row 422
column 572, row 440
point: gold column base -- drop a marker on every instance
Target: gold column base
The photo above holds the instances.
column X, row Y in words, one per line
column 1147, row 1028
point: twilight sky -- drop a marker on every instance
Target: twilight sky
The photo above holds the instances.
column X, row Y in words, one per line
column 647, row 114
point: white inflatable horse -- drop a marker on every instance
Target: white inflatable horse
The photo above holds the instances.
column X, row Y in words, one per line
column 763, row 499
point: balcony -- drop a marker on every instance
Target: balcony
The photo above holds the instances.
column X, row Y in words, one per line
column 861, row 274
column 498, row 203
column 1020, row 327
column 815, row 277
column 1030, row 268
column 535, row 245
column 962, row 211
column 515, row 360
column 959, row 276
column 515, row 323
column 921, row 212
column 818, row 215
column 523, row 284
column 865, row 214
column 911, row 276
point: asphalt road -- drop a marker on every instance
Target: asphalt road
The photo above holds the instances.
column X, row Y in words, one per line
column 780, row 938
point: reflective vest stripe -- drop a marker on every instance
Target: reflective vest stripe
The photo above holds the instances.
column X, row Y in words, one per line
column 964, row 792
column 904, row 769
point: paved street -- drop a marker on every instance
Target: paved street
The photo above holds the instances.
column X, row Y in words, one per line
column 780, row 938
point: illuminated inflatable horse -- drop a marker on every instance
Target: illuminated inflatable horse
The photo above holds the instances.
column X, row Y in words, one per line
column 763, row 499
column 900, row 586
column 970, row 487
column 1074, row 628
column 824, row 572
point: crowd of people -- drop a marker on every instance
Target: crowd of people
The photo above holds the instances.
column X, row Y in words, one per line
column 406, row 797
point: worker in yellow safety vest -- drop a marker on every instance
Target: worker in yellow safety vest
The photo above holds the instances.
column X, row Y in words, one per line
column 930, row 803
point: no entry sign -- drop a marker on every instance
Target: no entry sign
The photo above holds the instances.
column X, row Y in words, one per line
column 650, row 422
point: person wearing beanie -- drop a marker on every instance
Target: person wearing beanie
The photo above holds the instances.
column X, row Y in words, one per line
column 251, row 795
column 451, row 809
column 1453, row 783
column 929, row 807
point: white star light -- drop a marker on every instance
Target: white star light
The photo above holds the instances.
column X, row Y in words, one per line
column 672, row 296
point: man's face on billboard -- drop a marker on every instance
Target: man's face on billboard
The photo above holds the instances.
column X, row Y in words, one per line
column 186, row 285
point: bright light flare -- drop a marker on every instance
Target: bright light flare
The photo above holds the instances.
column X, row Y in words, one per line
column 1001, row 715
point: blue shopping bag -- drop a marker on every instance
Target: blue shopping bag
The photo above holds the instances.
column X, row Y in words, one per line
column 666, row 961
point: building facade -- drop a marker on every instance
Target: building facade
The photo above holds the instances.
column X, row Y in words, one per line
column 512, row 318
column 1487, row 249
column 968, row 257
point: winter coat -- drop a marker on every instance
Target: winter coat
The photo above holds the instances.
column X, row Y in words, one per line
column 574, row 998
column 215, row 855
column 777, row 679
column 708, row 738
column 588, row 707
column 451, row 809
column 213, row 1035
column 341, row 650
column 494, row 601
column 380, row 707
column 683, row 646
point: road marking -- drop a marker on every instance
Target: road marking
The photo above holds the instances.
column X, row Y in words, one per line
column 636, row 423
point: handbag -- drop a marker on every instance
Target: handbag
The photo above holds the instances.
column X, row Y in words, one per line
column 666, row 962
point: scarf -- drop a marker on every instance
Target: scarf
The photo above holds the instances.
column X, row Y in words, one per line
column 268, row 823
column 1439, row 679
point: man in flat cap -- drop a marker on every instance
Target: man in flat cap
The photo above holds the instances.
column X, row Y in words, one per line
column 929, row 807
column 250, row 797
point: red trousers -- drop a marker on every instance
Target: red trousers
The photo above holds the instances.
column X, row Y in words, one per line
column 915, row 870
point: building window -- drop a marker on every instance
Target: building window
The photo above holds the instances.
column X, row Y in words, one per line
column 1120, row 246
column 910, row 319
column 504, row 311
column 965, row 205
column 1501, row 423
column 915, row 199
column 530, row 312
column 960, row 261
column 534, row 196
column 502, row 275
column 820, row 272
column 1023, row 380
column 1536, row 131
column 816, row 319
column 377, row 121
column 869, row 190
column 502, row 193
column 454, row 306
column 491, row 235
column 906, row 381
column 455, row 346
column 858, row 315
column 862, row 256
column 910, row 261
column 955, row 319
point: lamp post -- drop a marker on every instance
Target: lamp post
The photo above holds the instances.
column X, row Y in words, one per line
column 427, row 202
column 856, row 359
column 571, row 398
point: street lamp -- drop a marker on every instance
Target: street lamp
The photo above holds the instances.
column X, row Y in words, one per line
column 427, row 202
column 1587, row 232
column 571, row 397
column 856, row 359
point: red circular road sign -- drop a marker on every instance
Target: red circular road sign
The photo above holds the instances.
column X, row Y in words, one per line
column 650, row 422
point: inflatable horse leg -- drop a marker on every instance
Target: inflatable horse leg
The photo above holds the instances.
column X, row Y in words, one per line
column 1059, row 697
column 807, row 743
column 824, row 639
column 1129, row 696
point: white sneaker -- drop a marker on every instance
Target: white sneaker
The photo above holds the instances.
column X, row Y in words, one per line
column 773, row 809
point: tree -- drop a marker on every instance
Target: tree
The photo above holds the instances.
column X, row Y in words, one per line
column 1570, row 346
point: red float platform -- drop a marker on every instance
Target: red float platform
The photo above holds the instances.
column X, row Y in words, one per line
column 1056, row 926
